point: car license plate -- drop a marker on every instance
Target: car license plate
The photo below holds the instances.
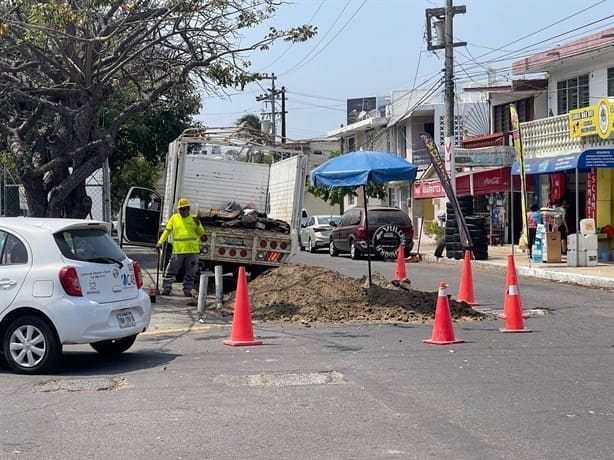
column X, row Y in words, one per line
column 125, row 319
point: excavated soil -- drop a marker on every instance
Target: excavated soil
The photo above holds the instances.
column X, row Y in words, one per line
column 307, row 294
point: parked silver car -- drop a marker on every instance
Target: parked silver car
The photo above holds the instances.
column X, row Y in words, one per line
column 65, row 281
column 315, row 232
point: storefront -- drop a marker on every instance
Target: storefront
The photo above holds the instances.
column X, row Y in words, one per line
column 585, row 179
column 494, row 197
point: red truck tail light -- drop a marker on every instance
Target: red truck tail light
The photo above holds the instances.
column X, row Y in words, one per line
column 262, row 243
column 138, row 275
column 273, row 244
column 283, row 245
column 243, row 253
column 70, row 281
column 221, row 251
column 233, row 252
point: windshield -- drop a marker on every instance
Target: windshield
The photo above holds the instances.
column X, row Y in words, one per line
column 93, row 245
column 328, row 219
column 388, row 218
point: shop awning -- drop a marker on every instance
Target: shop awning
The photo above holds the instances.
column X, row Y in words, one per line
column 593, row 158
column 479, row 182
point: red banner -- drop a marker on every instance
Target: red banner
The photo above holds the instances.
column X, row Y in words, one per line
column 591, row 195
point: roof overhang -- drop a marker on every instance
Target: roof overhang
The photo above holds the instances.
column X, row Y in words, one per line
column 358, row 127
column 587, row 47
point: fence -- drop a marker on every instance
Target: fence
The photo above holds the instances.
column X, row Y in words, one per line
column 97, row 186
column 12, row 196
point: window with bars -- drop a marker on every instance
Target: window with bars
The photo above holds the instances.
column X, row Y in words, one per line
column 392, row 198
column 351, row 144
column 572, row 94
column 502, row 121
column 611, row 82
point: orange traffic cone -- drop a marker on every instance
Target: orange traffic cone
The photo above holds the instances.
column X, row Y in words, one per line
column 510, row 279
column 443, row 333
column 513, row 319
column 400, row 274
column 242, row 333
column 465, row 291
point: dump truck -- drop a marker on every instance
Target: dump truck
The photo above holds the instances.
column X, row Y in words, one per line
column 248, row 196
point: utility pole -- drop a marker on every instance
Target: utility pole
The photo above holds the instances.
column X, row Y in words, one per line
column 271, row 97
column 283, row 114
column 444, row 18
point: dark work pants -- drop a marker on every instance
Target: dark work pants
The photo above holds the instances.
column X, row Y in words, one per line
column 189, row 262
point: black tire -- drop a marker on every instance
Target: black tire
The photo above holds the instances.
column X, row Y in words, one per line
column 475, row 220
column 113, row 347
column 31, row 345
column 310, row 247
column 354, row 252
column 300, row 245
column 332, row 250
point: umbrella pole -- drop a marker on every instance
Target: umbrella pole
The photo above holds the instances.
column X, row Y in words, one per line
column 364, row 194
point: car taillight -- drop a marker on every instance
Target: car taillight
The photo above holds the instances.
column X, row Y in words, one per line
column 318, row 229
column 361, row 232
column 70, row 281
column 138, row 275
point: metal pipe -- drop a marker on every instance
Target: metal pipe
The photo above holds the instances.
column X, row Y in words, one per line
column 202, row 294
column 219, row 287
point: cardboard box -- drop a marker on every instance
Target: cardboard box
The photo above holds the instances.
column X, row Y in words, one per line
column 553, row 245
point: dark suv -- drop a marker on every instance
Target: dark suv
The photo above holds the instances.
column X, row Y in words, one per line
column 388, row 229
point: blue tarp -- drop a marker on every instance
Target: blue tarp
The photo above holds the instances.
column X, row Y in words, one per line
column 358, row 168
column 593, row 158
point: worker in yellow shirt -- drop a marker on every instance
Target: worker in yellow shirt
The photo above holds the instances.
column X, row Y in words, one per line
column 186, row 231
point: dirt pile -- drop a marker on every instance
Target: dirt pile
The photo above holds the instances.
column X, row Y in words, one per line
column 304, row 293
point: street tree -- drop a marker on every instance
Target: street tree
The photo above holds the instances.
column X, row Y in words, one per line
column 64, row 63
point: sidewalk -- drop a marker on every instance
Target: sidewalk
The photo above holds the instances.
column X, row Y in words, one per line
column 600, row 276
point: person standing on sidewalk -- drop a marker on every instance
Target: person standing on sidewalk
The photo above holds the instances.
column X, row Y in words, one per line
column 186, row 230
column 534, row 217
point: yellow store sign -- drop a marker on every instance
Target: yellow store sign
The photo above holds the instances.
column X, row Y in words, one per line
column 595, row 120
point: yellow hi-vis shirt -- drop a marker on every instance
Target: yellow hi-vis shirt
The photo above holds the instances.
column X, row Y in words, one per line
column 186, row 234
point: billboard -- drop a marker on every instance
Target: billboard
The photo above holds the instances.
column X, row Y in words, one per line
column 364, row 105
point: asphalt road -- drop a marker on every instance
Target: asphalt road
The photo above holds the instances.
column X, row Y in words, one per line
column 343, row 392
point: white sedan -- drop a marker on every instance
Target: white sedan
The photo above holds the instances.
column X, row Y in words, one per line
column 65, row 281
column 315, row 232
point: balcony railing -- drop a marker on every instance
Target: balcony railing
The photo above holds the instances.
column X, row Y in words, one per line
column 548, row 137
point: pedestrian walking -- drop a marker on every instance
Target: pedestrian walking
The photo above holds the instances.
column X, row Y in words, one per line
column 185, row 231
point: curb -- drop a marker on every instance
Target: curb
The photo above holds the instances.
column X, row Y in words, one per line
column 540, row 273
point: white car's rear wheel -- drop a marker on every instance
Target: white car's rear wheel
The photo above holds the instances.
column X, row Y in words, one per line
column 31, row 346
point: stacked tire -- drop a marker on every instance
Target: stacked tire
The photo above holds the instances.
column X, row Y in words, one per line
column 477, row 231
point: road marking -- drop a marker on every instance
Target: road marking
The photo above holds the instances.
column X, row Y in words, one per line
column 182, row 330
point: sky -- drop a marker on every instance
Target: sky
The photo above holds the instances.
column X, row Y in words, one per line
column 367, row 48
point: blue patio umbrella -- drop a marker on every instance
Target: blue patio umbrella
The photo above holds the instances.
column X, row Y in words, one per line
column 358, row 168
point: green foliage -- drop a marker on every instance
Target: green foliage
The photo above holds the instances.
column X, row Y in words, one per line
column 136, row 171
column 433, row 230
column 83, row 82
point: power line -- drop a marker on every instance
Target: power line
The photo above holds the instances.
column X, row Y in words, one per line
column 307, row 61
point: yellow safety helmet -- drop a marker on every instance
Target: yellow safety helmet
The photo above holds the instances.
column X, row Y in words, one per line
column 183, row 203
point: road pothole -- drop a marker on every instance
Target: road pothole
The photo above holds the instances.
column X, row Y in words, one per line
column 81, row 384
column 268, row 379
